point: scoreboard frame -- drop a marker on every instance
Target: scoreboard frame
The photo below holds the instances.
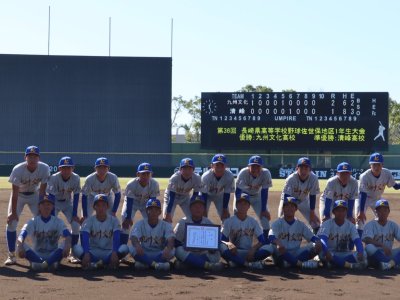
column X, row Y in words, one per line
column 295, row 120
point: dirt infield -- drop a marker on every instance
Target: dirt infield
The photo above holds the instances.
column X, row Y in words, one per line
column 18, row 282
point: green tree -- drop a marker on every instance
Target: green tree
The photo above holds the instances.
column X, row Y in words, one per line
column 191, row 107
column 259, row 88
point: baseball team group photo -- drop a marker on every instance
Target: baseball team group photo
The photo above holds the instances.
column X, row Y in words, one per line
column 200, row 150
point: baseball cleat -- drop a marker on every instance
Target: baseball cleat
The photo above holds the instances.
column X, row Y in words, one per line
column 385, row 266
column 309, row 264
column 179, row 265
column 11, row 260
column 214, row 266
column 45, row 265
column 232, row 264
column 162, row 266
column 140, row 266
column 73, row 260
column 357, row 266
column 53, row 267
column 36, row 266
column 256, row 265
column 285, row 264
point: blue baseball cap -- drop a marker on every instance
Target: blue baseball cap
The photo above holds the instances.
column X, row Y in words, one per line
column 186, row 162
column 219, row 158
column 381, row 202
column 376, row 158
column 144, row 167
column 153, row 203
column 245, row 197
column 100, row 197
column 344, row 167
column 197, row 199
column 290, row 200
column 49, row 198
column 255, row 160
column 304, row 161
column 66, row 161
column 101, row 161
column 339, row 203
column 32, row 150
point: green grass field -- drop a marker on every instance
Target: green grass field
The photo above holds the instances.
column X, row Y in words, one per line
column 277, row 184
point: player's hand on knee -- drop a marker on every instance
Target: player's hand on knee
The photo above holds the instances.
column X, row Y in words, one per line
column 12, row 217
column 352, row 220
column 168, row 218
column 86, row 261
column 225, row 214
column 281, row 249
column 82, row 220
column 313, row 217
column 360, row 256
column 318, row 247
column 325, row 218
column 139, row 250
column 127, row 223
column 387, row 251
column 266, row 215
column 250, row 255
column 166, row 253
column 20, row 250
column 114, row 261
column 76, row 219
column 361, row 217
column 328, row 256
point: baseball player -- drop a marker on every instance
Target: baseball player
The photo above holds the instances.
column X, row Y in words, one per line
column 372, row 185
column 138, row 191
column 379, row 235
column 238, row 233
column 65, row 187
column 100, row 236
column 153, row 240
column 45, row 231
column 217, row 185
column 342, row 186
column 182, row 187
column 203, row 259
column 102, row 181
column 29, row 181
column 304, row 186
column 255, row 181
column 286, row 235
column 336, row 235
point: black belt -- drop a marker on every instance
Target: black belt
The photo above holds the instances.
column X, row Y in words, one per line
column 61, row 200
column 27, row 193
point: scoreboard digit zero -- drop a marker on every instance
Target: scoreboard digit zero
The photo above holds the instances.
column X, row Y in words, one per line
column 323, row 121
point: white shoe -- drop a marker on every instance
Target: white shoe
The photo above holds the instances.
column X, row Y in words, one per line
column 358, row 266
column 124, row 260
column 73, row 260
column 256, row 265
column 309, row 264
column 11, row 259
column 162, row 266
column 385, row 266
column 140, row 266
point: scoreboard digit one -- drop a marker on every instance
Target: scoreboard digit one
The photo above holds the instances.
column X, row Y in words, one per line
column 314, row 121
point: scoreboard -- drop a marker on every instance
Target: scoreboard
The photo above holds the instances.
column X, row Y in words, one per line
column 294, row 120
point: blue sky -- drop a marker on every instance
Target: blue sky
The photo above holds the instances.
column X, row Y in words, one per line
column 223, row 45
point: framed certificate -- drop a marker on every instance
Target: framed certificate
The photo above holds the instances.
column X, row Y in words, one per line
column 202, row 236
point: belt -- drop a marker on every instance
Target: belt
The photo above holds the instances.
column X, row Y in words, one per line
column 61, row 200
column 27, row 193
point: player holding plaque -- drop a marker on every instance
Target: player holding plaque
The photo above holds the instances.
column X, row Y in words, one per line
column 195, row 257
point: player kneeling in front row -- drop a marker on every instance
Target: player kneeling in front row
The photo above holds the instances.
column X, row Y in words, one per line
column 238, row 233
column 286, row 235
column 152, row 239
column 45, row 231
column 337, row 235
column 204, row 259
column 379, row 235
column 100, row 237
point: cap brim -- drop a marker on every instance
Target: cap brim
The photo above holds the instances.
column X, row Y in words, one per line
column 375, row 162
column 343, row 171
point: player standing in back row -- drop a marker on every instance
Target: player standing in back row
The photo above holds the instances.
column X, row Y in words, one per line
column 182, row 187
column 372, row 185
column 304, row 186
column 255, row 181
column 29, row 181
column 102, row 181
column 217, row 185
